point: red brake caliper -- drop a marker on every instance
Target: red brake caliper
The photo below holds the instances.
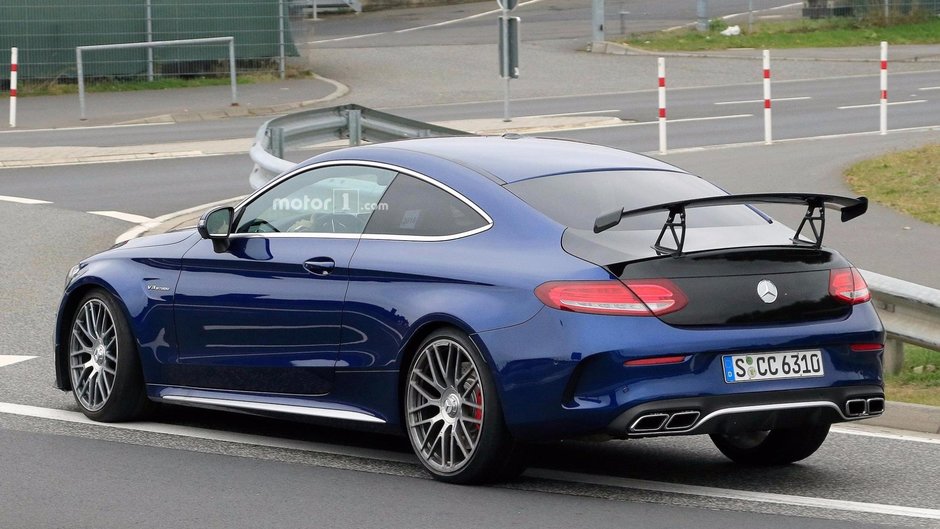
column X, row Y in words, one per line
column 478, row 400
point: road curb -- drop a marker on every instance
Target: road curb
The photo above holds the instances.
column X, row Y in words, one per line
column 617, row 48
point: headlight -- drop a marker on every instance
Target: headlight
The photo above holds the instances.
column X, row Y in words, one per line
column 72, row 273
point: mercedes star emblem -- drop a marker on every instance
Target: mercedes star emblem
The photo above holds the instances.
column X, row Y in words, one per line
column 767, row 291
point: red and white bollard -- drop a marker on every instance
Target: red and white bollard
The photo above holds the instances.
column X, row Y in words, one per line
column 14, row 60
column 662, row 105
column 768, row 128
column 884, row 87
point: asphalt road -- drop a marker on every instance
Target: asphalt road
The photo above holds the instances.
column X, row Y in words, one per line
column 542, row 19
column 191, row 468
column 192, row 459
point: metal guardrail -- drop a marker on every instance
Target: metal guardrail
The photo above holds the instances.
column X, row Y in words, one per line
column 301, row 129
column 910, row 312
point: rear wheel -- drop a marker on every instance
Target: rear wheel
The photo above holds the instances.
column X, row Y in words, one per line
column 772, row 447
column 453, row 415
column 104, row 367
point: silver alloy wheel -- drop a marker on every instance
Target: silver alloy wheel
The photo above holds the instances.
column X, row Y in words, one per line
column 93, row 353
column 444, row 406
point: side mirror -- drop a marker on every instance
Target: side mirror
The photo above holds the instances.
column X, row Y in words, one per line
column 216, row 225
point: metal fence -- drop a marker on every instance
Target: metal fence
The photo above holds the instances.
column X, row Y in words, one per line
column 48, row 31
column 878, row 9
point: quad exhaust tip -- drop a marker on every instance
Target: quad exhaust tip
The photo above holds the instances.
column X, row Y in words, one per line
column 864, row 407
column 672, row 421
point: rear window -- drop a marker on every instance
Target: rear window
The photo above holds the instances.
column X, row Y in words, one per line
column 576, row 199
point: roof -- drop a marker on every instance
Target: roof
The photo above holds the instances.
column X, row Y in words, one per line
column 511, row 158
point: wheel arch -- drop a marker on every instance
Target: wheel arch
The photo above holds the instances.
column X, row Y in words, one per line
column 66, row 312
column 410, row 348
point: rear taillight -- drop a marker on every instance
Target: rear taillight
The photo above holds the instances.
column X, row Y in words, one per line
column 656, row 361
column 848, row 286
column 865, row 347
column 637, row 297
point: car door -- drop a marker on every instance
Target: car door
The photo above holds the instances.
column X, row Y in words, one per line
column 405, row 267
column 266, row 314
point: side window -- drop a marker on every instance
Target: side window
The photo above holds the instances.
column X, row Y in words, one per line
column 417, row 208
column 335, row 199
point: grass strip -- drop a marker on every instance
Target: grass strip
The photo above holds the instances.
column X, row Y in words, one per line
column 908, row 181
column 803, row 33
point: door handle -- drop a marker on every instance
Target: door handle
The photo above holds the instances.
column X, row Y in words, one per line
column 320, row 266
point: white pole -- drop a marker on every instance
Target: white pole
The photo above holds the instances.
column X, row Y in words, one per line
column 768, row 127
column 149, row 39
column 282, row 56
column 884, row 87
column 231, row 70
column 662, row 105
column 14, row 65
column 504, row 39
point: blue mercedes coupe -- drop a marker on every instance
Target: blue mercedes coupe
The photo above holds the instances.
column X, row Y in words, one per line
column 479, row 293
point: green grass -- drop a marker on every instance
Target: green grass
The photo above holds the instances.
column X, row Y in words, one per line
column 827, row 33
column 166, row 83
column 917, row 388
column 908, row 181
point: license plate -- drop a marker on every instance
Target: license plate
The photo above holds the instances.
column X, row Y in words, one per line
column 755, row 367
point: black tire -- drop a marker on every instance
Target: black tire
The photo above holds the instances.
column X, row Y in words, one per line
column 774, row 447
column 490, row 453
column 104, row 366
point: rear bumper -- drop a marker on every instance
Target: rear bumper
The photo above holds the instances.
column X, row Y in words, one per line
column 563, row 374
column 742, row 413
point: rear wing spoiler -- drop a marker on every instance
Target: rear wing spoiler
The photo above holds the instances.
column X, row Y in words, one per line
column 815, row 216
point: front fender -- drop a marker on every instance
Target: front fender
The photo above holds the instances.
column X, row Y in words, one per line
column 144, row 290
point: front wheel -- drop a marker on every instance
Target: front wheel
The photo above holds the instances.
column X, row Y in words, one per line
column 772, row 447
column 104, row 367
column 453, row 414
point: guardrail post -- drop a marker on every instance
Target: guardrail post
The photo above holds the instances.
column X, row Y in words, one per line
column 894, row 356
column 277, row 142
column 354, row 124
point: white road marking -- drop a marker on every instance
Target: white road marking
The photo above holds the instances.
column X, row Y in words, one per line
column 658, row 486
column 128, row 217
column 748, row 101
column 21, row 200
column 585, row 113
column 873, row 105
column 687, row 120
column 792, row 140
column 652, row 90
column 21, row 131
column 204, row 433
column 914, row 437
column 427, row 26
column 759, row 497
column 8, row 360
column 928, row 88
column 143, row 227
